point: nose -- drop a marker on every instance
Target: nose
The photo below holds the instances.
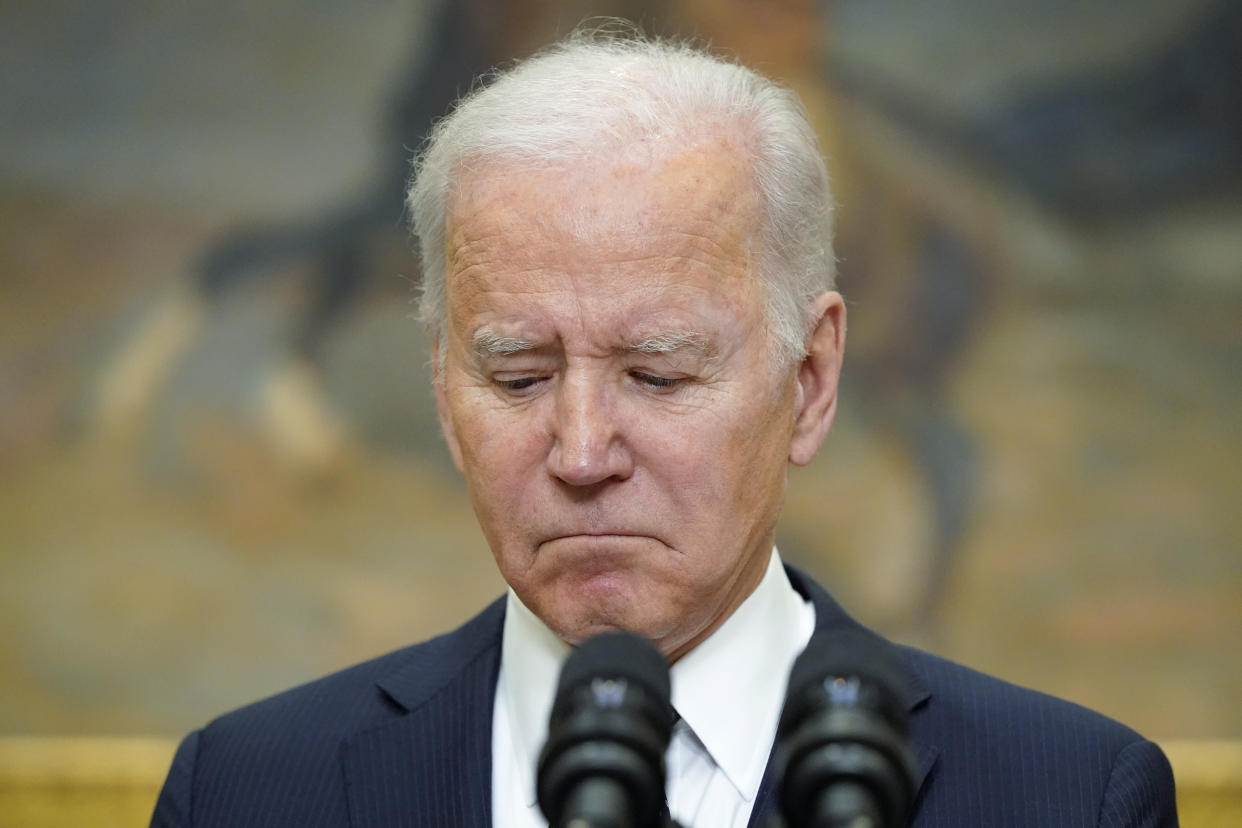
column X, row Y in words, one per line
column 588, row 443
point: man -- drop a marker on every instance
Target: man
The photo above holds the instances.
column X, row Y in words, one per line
column 628, row 272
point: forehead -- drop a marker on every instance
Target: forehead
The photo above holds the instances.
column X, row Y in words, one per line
column 689, row 215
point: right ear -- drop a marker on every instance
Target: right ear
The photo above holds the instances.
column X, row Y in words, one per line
column 445, row 412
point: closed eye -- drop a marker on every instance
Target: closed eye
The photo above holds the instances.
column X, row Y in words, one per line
column 519, row 384
column 654, row 380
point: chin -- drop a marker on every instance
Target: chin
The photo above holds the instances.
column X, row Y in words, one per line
column 576, row 605
column 600, row 609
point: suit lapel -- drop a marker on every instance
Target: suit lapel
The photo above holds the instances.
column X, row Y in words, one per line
column 828, row 615
column 430, row 763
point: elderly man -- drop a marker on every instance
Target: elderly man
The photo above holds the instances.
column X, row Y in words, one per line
column 628, row 285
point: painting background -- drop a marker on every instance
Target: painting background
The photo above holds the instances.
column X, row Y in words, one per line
column 159, row 571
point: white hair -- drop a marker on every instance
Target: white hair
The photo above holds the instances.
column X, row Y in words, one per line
column 601, row 91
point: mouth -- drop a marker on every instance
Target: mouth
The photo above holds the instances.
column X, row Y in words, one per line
column 600, row 542
column 597, row 542
column 619, row 533
column 595, row 562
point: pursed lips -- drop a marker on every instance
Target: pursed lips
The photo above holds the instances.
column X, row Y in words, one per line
column 615, row 533
column 592, row 554
column 597, row 537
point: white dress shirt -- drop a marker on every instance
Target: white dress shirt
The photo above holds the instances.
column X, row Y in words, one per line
column 728, row 691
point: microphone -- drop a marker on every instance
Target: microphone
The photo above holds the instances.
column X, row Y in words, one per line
column 842, row 746
column 603, row 763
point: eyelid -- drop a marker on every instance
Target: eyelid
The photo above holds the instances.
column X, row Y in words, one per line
column 656, row 381
column 521, row 386
column 516, row 381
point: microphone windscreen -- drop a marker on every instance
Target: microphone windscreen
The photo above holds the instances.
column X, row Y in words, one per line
column 603, row 761
column 843, row 748
column 617, row 655
column 845, row 654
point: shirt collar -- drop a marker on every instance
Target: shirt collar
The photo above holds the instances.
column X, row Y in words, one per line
column 530, row 664
column 731, row 710
column 730, row 688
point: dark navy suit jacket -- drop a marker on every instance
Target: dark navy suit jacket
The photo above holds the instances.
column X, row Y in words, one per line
column 406, row 740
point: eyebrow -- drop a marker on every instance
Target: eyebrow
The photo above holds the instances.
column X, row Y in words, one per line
column 668, row 342
column 489, row 343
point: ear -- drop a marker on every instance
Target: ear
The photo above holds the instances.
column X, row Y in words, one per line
column 442, row 406
column 815, row 400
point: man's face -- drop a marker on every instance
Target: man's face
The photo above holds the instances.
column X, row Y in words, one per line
column 610, row 393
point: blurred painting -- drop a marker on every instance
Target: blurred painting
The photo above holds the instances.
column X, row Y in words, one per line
column 221, row 471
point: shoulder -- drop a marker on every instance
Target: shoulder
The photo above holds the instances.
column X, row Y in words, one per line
column 962, row 719
column 993, row 753
column 996, row 709
column 1025, row 757
column 285, row 751
column 995, row 705
column 351, row 699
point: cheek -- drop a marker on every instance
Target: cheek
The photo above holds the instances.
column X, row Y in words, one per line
column 702, row 463
column 747, row 457
column 495, row 448
column 502, row 452
column 501, row 465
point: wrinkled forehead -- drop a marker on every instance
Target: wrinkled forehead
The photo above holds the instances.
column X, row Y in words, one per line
column 648, row 188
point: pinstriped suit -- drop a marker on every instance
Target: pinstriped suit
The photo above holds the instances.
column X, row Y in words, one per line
column 405, row 740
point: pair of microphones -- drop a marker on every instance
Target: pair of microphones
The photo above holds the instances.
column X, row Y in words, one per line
column 842, row 754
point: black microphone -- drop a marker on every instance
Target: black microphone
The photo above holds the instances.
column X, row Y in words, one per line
column 603, row 763
column 842, row 747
